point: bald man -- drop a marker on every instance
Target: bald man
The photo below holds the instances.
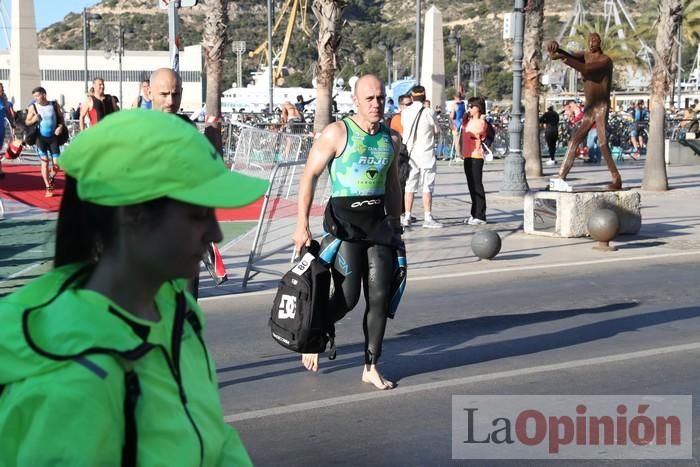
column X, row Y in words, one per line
column 166, row 90
column 362, row 217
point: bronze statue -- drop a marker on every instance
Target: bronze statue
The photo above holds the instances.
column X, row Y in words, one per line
column 596, row 68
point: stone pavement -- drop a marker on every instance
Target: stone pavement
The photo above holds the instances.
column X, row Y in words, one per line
column 669, row 226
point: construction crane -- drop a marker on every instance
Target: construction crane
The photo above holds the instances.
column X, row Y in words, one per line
column 290, row 8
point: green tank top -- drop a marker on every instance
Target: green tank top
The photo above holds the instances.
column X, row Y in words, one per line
column 362, row 167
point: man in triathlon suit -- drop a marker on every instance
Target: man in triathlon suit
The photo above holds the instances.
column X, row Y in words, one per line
column 166, row 90
column 102, row 104
column 143, row 101
column 51, row 124
column 362, row 216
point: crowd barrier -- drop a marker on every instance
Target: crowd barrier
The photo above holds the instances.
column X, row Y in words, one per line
column 278, row 218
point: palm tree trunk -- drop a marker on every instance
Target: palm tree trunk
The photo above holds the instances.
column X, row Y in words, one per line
column 213, row 43
column 329, row 15
column 670, row 14
column 531, row 87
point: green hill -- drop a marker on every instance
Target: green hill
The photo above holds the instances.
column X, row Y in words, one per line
column 367, row 23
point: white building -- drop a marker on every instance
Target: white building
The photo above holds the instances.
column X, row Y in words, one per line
column 63, row 74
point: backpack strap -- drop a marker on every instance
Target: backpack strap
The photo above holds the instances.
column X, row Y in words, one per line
column 415, row 134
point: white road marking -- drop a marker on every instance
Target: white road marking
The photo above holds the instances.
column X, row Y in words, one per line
column 335, row 401
column 23, row 271
column 491, row 271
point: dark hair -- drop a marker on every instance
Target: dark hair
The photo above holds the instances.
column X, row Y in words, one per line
column 300, row 98
column 479, row 102
column 39, row 89
column 418, row 93
column 85, row 229
column 403, row 97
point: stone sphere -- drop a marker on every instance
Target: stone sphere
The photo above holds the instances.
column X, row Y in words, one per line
column 603, row 225
column 486, row 244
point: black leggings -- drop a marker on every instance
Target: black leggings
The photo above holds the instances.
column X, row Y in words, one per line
column 355, row 263
column 474, row 170
column 551, row 139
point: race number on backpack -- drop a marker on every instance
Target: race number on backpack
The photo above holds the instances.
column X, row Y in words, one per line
column 300, row 319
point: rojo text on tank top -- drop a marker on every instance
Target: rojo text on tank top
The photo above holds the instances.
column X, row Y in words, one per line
column 363, row 166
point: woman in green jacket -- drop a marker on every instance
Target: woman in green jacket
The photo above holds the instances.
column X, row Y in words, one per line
column 102, row 360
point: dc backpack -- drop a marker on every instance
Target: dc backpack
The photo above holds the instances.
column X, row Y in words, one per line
column 300, row 319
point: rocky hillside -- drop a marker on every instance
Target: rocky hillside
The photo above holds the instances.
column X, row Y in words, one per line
column 368, row 23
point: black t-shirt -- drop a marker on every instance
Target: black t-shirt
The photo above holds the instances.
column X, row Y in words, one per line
column 550, row 120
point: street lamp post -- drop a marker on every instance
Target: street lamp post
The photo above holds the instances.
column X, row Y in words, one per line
column 119, row 50
column 475, row 74
column 86, row 39
column 239, row 47
column 269, row 51
column 418, row 9
column 455, row 38
column 388, row 47
column 515, row 183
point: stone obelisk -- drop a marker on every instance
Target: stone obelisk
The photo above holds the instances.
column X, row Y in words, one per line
column 24, row 53
column 433, row 66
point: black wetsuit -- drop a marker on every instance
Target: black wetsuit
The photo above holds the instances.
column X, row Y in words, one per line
column 356, row 218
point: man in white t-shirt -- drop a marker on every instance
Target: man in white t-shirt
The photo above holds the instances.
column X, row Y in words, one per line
column 419, row 130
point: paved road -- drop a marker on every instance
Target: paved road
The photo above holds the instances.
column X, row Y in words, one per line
column 568, row 330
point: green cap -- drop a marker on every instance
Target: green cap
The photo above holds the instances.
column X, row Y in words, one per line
column 133, row 156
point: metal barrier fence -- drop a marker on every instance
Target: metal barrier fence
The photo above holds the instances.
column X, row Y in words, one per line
column 278, row 218
column 280, row 158
column 256, row 151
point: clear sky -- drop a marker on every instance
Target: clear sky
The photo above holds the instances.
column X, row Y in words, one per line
column 49, row 11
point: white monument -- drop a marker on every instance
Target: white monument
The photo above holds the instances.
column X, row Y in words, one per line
column 433, row 64
column 24, row 53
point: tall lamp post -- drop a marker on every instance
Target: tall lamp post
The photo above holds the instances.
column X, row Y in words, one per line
column 515, row 183
column 119, row 51
column 388, row 47
column 455, row 38
column 418, row 9
column 87, row 17
column 475, row 74
column 239, row 47
column 270, row 14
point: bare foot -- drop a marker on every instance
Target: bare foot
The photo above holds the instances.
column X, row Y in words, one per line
column 372, row 376
column 310, row 361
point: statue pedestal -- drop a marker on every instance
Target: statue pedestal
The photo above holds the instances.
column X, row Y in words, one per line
column 565, row 214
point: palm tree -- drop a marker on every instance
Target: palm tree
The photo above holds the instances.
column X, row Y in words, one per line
column 213, row 42
column 328, row 14
column 532, row 58
column 670, row 16
column 620, row 50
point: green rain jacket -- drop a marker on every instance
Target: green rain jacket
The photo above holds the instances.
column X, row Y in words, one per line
column 64, row 356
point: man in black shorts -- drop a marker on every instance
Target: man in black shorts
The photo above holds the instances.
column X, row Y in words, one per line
column 49, row 116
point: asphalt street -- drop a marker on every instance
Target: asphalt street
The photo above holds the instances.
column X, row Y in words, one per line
column 628, row 327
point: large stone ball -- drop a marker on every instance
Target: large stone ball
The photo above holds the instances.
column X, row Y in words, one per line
column 486, row 244
column 603, row 225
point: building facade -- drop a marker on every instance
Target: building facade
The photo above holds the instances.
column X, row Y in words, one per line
column 63, row 74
